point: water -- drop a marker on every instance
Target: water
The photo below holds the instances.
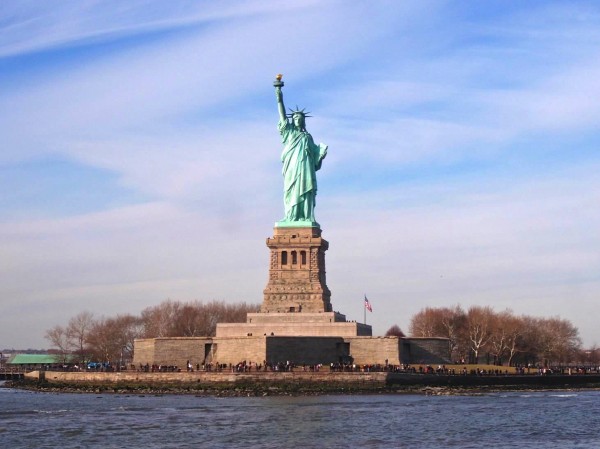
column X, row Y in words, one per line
column 500, row 420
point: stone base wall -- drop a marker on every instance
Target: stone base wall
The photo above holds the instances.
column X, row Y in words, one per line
column 143, row 351
column 236, row 350
column 180, row 350
column 375, row 350
column 177, row 351
column 425, row 350
column 173, row 351
column 292, row 329
column 297, row 317
column 300, row 350
column 305, row 350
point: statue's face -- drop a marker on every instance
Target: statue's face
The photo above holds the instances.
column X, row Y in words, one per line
column 298, row 120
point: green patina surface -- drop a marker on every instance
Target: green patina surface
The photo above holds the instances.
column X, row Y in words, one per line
column 301, row 159
column 297, row 224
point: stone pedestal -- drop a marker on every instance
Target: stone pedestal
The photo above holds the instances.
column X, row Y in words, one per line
column 323, row 324
column 296, row 315
column 297, row 281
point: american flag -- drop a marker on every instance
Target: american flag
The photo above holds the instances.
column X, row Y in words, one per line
column 368, row 305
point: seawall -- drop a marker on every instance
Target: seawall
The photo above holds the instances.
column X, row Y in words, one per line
column 301, row 381
column 219, row 380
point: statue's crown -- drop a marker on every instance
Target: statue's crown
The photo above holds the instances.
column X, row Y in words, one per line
column 298, row 111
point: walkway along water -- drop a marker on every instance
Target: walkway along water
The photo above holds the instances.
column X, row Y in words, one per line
column 11, row 375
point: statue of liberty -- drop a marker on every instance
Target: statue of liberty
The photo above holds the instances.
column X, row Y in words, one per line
column 301, row 159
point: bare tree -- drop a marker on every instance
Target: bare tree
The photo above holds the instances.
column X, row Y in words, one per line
column 158, row 320
column 514, row 329
column 447, row 322
column 102, row 341
column 59, row 339
column 426, row 323
column 188, row 321
column 559, row 340
column 129, row 327
column 191, row 319
column 530, row 340
column 395, row 331
column 479, row 323
column 499, row 335
column 453, row 322
column 111, row 339
column 78, row 332
column 526, row 339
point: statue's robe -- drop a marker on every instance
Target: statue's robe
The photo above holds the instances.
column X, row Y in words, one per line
column 301, row 159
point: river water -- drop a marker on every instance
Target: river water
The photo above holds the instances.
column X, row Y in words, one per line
column 495, row 420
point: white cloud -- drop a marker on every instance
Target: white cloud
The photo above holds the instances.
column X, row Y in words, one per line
column 34, row 26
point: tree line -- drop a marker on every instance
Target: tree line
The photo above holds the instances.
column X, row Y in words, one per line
column 110, row 340
column 477, row 335
column 481, row 334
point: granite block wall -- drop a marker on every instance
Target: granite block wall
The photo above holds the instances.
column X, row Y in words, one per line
column 305, row 350
column 375, row 350
column 297, row 349
column 173, row 351
column 235, row 350
column 425, row 350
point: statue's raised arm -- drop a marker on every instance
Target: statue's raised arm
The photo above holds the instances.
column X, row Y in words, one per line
column 301, row 159
column 279, row 95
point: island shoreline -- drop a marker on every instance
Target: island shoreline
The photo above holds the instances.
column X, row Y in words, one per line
column 295, row 383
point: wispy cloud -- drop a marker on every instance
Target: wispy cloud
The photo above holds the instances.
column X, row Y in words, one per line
column 32, row 26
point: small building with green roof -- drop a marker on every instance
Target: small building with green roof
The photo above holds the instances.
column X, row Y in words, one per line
column 37, row 361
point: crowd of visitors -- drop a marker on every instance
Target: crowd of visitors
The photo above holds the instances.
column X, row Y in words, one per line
column 289, row 366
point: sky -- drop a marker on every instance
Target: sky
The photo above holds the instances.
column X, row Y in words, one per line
column 140, row 157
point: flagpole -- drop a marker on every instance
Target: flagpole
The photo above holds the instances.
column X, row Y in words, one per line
column 365, row 311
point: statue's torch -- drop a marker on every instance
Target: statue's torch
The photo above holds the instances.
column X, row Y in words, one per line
column 278, row 82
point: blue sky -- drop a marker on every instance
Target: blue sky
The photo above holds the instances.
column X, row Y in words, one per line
column 140, row 156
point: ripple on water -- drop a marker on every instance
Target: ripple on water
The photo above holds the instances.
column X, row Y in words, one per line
column 546, row 419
